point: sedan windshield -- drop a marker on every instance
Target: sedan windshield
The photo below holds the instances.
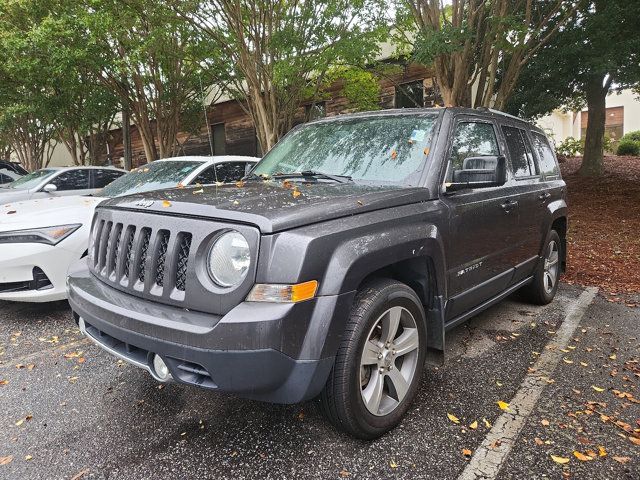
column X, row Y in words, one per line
column 155, row 176
column 378, row 149
column 31, row 180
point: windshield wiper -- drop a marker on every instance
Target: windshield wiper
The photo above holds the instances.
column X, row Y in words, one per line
column 316, row 175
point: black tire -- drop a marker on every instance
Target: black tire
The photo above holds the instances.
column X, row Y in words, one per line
column 536, row 292
column 342, row 399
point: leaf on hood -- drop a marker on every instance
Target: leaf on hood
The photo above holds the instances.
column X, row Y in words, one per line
column 453, row 418
column 560, row 460
column 503, row 405
column 198, row 191
column 11, row 212
column 6, row 460
column 3, row 382
column 166, row 203
column 239, row 184
column 296, row 193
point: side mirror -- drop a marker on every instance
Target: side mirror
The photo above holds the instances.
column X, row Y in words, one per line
column 479, row 172
column 49, row 188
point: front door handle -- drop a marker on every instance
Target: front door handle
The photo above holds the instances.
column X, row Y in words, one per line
column 544, row 196
column 509, row 205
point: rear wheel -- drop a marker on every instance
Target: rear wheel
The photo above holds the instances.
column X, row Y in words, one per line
column 379, row 363
column 547, row 275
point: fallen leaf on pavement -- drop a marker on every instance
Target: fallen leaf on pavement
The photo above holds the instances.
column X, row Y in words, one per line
column 581, row 456
column 28, row 457
column 601, row 451
column 622, row 460
column 635, row 441
column 544, row 422
column 80, row 474
column 474, row 425
column 466, row 452
column 393, row 464
column 503, row 405
column 486, row 423
column 597, row 389
column 560, row 460
column 453, row 418
column 344, row 474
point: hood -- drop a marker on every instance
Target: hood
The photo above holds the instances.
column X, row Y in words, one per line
column 13, row 195
column 272, row 206
column 47, row 212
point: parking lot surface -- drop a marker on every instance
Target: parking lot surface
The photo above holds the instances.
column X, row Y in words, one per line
column 69, row 410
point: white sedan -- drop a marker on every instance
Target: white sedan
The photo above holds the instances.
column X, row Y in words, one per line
column 40, row 239
column 59, row 182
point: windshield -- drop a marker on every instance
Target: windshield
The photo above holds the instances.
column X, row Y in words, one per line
column 155, row 176
column 31, row 180
column 384, row 149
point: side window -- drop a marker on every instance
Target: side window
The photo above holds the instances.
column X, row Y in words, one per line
column 471, row 139
column 548, row 164
column 102, row 178
column 206, row 177
column 231, row 172
column 520, row 152
column 72, row 180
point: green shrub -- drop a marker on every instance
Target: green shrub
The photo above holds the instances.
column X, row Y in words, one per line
column 628, row 147
column 632, row 136
column 570, row 147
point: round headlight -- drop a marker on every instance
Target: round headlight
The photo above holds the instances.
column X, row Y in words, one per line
column 229, row 259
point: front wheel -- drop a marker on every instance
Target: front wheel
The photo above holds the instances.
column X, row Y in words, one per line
column 547, row 275
column 379, row 363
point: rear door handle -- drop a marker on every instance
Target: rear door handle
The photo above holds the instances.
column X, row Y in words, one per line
column 544, row 196
column 509, row 205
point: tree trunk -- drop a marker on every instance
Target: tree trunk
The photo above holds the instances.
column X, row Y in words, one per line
column 593, row 158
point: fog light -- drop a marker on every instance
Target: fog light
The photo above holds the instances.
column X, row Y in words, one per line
column 160, row 368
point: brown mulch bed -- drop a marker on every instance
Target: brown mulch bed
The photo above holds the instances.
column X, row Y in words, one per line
column 604, row 228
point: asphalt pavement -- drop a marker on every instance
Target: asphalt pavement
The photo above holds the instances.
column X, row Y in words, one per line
column 568, row 375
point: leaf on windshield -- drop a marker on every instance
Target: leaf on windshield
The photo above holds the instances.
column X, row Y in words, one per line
column 296, row 193
column 287, row 184
column 394, row 154
column 198, row 191
column 180, row 185
column 239, row 184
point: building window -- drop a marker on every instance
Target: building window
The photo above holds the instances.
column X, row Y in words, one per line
column 613, row 124
column 410, row 95
column 432, row 97
column 315, row 111
column 219, row 139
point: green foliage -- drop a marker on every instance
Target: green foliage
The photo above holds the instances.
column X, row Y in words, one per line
column 631, row 136
column 628, row 147
column 570, row 147
column 359, row 86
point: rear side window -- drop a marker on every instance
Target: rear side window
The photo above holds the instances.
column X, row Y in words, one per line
column 548, row 164
column 224, row 172
column 102, row 178
column 72, row 180
column 520, row 152
column 472, row 139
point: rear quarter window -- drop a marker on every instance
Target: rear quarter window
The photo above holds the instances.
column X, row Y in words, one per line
column 546, row 158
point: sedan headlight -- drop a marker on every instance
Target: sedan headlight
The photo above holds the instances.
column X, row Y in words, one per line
column 229, row 259
column 48, row 235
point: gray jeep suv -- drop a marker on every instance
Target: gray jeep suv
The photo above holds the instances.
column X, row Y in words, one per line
column 331, row 269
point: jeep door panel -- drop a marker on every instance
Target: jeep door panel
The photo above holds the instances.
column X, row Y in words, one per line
column 480, row 244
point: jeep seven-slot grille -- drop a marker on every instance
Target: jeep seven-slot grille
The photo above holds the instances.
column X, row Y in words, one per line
column 129, row 255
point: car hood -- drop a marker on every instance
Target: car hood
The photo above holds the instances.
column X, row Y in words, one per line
column 272, row 206
column 47, row 212
column 13, row 195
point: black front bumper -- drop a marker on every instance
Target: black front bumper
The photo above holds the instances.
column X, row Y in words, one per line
column 279, row 353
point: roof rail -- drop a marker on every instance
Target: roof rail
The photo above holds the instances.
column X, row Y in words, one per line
column 498, row 112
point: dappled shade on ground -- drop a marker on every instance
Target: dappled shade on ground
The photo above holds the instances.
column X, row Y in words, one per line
column 604, row 228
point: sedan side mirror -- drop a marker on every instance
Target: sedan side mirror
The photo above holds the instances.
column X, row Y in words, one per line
column 49, row 188
column 480, row 172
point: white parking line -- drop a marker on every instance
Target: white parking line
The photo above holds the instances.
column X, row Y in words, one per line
column 492, row 453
